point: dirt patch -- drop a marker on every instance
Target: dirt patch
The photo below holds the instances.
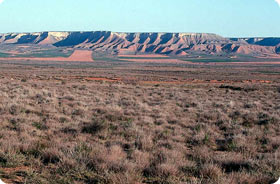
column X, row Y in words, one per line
column 102, row 79
column 163, row 82
column 78, row 55
column 12, row 52
column 81, row 55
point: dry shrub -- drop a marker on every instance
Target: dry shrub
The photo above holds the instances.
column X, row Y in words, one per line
column 141, row 159
column 144, row 142
column 202, row 154
column 116, row 159
column 233, row 162
column 95, row 126
column 248, row 178
column 125, row 178
column 50, row 155
column 211, row 171
column 97, row 158
column 167, row 170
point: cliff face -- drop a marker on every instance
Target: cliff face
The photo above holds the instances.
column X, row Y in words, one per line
column 259, row 41
column 159, row 43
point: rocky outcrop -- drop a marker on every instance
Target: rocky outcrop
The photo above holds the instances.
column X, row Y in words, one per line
column 180, row 44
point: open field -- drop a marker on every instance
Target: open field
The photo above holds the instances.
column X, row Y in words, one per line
column 31, row 52
column 111, row 121
column 76, row 55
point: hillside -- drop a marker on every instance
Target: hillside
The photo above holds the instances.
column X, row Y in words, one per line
column 179, row 44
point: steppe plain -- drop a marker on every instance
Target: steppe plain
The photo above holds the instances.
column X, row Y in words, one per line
column 138, row 119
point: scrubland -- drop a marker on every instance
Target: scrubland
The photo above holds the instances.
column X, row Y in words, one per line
column 55, row 130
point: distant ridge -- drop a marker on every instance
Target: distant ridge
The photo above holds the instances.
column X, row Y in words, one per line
column 178, row 44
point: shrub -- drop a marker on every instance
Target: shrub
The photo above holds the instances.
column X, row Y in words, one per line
column 95, row 126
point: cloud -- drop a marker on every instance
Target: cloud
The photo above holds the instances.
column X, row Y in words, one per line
column 1, row 1
column 278, row 1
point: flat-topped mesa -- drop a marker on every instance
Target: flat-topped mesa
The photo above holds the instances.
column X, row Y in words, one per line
column 156, row 43
column 80, row 37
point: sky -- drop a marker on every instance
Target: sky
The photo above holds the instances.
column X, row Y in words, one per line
column 229, row 18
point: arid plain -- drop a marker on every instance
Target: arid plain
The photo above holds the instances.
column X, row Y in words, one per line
column 118, row 120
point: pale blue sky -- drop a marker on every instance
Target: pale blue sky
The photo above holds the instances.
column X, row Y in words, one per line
column 231, row 18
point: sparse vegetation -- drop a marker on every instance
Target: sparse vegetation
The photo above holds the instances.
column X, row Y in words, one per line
column 82, row 131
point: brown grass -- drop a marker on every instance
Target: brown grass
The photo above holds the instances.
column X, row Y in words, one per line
column 55, row 129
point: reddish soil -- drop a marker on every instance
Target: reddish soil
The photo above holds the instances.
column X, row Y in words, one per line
column 12, row 52
column 81, row 55
column 103, row 79
column 78, row 55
